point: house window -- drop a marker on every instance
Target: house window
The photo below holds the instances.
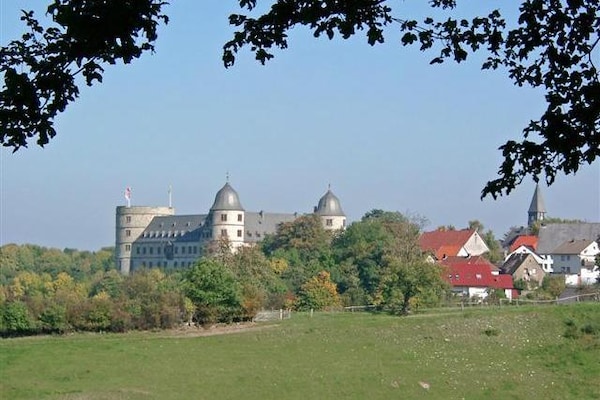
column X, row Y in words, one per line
column 128, row 219
column 127, row 247
column 239, row 233
column 190, row 249
column 137, row 250
column 144, row 264
column 223, row 232
column 175, row 249
column 127, row 232
column 182, row 249
column 329, row 222
column 239, row 217
column 195, row 249
column 224, row 217
column 150, row 264
column 175, row 264
column 144, row 250
column 158, row 250
column 151, row 249
column 164, row 264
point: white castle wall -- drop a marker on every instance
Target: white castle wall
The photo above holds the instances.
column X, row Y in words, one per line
column 130, row 223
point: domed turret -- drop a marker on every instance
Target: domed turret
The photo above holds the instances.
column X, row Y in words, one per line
column 228, row 217
column 227, row 199
column 330, row 211
column 329, row 205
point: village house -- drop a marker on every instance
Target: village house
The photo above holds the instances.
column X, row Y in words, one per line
column 443, row 243
column 525, row 267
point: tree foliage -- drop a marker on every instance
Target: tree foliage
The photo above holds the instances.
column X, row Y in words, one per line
column 551, row 46
column 40, row 70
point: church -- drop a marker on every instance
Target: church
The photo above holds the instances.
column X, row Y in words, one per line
column 157, row 237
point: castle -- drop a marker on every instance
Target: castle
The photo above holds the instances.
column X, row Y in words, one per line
column 157, row 237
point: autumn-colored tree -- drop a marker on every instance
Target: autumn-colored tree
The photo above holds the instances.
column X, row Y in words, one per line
column 318, row 293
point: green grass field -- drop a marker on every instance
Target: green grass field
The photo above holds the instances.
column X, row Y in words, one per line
column 512, row 353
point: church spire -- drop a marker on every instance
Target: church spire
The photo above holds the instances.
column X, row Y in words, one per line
column 537, row 208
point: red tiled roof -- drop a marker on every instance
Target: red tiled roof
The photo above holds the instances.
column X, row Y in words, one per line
column 471, row 260
column 524, row 240
column 443, row 242
column 476, row 275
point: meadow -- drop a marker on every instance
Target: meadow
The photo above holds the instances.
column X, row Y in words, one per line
column 550, row 352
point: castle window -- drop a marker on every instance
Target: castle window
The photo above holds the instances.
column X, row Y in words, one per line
column 150, row 264
column 127, row 232
column 190, row 249
column 164, row 264
column 239, row 233
column 144, row 264
column 223, row 232
column 195, row 249
column 175, row 249
column 175, row 264
column 144, row 250
column 137, row 250
column 239, row 217
column 344, row 222
column 127, row 247
column 128, row 219
column 182, row 249
column 151, row 250
column 158, row 250
column 224, row 217
column 329, row 222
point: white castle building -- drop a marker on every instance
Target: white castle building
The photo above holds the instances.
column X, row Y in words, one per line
column 156, row 237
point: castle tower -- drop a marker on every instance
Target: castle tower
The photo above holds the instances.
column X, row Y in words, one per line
column 537, row 208
column 330, row 211
column 228, row 217
column 130, row 223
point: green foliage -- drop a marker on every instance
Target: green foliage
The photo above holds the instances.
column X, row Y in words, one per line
column 214, row 291
column 15, row 319
column 520, row 284
column 554, row 285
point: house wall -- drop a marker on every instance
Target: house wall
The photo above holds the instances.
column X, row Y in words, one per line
column 476, row 246
column 531, row 272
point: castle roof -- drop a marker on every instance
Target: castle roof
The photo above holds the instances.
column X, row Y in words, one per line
column 174, row 228
column 227, row 199
column 329, row 205
column 259, row 224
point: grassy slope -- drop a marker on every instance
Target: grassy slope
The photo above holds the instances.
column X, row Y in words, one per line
column 337, row 356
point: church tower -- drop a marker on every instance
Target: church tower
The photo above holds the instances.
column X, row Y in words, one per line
column 537, row 208
column 228, row 217
column 330, row 211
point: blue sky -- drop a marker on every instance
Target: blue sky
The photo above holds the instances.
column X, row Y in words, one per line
column 379, row 124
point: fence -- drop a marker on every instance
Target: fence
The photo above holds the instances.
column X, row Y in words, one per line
column 558, row 300
column 272, row 315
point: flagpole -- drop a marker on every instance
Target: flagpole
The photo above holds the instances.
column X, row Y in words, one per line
column 170, row 196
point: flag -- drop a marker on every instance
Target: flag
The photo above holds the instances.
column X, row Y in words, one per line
column 128, row 193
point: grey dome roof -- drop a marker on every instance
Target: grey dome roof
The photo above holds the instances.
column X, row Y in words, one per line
column 227, row 199
column 329, row 205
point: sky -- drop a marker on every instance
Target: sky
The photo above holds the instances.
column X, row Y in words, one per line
column 380, row 125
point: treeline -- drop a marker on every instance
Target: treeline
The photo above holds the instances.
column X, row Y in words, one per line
column 374, row 261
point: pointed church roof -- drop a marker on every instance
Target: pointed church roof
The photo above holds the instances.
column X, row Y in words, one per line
column 537, row 202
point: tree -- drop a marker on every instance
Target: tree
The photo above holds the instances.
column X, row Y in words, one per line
column 551, row 46
column 318, row 293
column 214, row 291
